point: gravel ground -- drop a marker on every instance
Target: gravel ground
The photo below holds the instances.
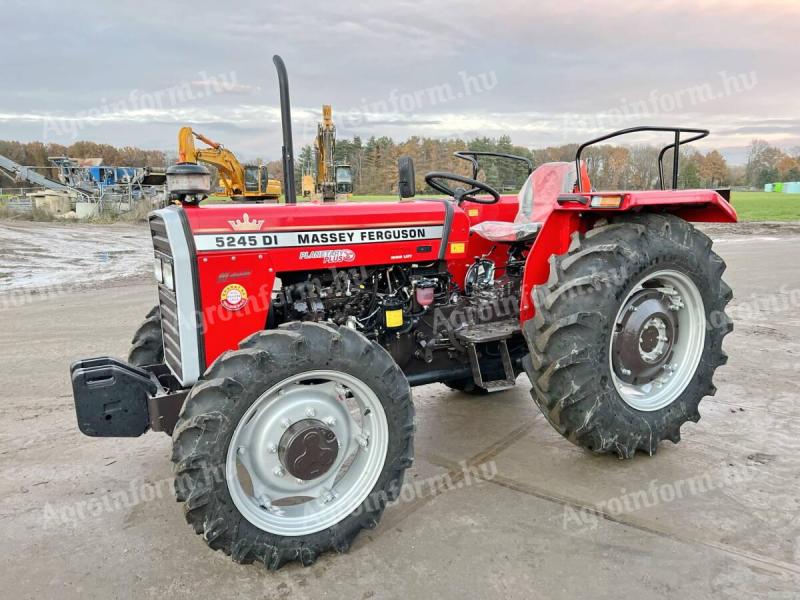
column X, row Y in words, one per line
column 542, row 518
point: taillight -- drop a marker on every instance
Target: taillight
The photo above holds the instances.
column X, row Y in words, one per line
column 606, row 201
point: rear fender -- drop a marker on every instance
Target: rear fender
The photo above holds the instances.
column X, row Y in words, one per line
column 554, row 238
column 706, row 206
column 574, row 213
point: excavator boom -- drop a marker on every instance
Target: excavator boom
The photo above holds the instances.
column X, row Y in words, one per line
column 331, row 179
column 238, row 181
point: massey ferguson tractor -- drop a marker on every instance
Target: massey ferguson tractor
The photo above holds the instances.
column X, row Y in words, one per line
column 287, row 337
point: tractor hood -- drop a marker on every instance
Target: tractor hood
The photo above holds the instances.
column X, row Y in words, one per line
column 305, row 237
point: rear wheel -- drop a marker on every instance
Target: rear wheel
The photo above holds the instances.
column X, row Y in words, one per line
column 628, row 333
column 292, row 444
column 147, row 346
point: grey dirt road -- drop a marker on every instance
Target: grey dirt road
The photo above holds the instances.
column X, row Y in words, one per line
column 716, row 516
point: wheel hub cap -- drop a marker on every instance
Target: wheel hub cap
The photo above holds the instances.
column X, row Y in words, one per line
column 307, row 452
column 644, row 337
column 657, row 340
column 308, row 449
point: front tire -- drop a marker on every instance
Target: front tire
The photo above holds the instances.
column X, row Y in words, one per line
column 147, row 346
column 628, row 333
column 246, row 431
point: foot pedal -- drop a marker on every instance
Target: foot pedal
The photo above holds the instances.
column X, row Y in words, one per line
column 495, row 385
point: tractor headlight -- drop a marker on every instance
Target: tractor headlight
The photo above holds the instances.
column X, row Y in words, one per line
column 169, row 278
column 188, row 182
column 158, row 270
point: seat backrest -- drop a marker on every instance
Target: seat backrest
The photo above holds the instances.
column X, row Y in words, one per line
column 541, row 190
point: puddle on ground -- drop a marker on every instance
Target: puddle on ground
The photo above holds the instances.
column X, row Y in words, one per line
column 45, row 255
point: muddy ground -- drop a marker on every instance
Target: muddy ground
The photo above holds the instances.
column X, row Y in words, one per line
column 716, row 516
column 49, row 256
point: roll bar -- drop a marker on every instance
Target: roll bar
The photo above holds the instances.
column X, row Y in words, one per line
column 472, row 157
column 675, row 146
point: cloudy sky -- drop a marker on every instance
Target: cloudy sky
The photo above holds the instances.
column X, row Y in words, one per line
column 131, row 73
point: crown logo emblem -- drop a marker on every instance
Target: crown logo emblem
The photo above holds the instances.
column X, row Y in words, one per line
column 245, row 224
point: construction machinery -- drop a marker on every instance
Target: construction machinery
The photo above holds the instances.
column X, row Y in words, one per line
column 286, row 341
column 332, row 179
column 308, row 184
column 238, row 181
column 90, row 182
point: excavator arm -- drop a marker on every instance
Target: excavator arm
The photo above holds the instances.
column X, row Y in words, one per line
column 332, row 179
column 231, row 172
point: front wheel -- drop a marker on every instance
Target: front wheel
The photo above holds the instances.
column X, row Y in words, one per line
column 147, row 346
column 292, row 444
column 628, row 333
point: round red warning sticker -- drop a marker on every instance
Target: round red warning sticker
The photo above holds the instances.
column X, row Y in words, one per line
column 233, row 297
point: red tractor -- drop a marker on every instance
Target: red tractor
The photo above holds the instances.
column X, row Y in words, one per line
column 287, row 337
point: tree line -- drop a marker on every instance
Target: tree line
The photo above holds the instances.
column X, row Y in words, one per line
column 35, row 154
column 374, row 162
column 768, row 164
column 610, row 166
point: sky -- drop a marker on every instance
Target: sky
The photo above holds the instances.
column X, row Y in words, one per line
column 544, row 73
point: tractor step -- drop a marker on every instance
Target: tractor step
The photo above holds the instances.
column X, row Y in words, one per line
column 496, row 332
column 488, row 332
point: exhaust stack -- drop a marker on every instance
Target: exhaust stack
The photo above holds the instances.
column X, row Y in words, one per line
column 289, row 191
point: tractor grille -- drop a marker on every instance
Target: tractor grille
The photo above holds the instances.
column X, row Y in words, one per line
column 167, row 300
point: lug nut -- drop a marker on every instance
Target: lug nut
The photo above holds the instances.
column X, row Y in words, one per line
column 626, row 372
column 278, row 471
column 272, row 448
column 310, row 412
column 329, row 421
column 285, row 423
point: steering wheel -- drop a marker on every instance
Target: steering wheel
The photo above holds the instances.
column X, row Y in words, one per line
column 435, row 180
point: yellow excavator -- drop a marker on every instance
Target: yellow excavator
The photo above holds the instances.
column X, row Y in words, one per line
column 331, row 180
column 239, row 182
column 308, row 184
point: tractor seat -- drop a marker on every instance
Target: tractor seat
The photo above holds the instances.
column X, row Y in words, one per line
column 536, row 201
column 505, row 231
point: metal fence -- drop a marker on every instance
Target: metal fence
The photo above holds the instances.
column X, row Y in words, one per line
column 17, row 191
column 16, row 204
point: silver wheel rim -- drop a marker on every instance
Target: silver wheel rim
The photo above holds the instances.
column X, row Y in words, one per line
column 688, row 347
column 273, row 499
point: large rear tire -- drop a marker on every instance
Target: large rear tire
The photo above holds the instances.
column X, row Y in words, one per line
column 147, row 346
column 628, row 333
column 247, row 428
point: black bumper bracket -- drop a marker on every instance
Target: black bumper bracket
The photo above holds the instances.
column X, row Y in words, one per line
column 115, row 399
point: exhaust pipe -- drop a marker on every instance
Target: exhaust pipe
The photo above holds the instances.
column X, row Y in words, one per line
column 289, row 191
